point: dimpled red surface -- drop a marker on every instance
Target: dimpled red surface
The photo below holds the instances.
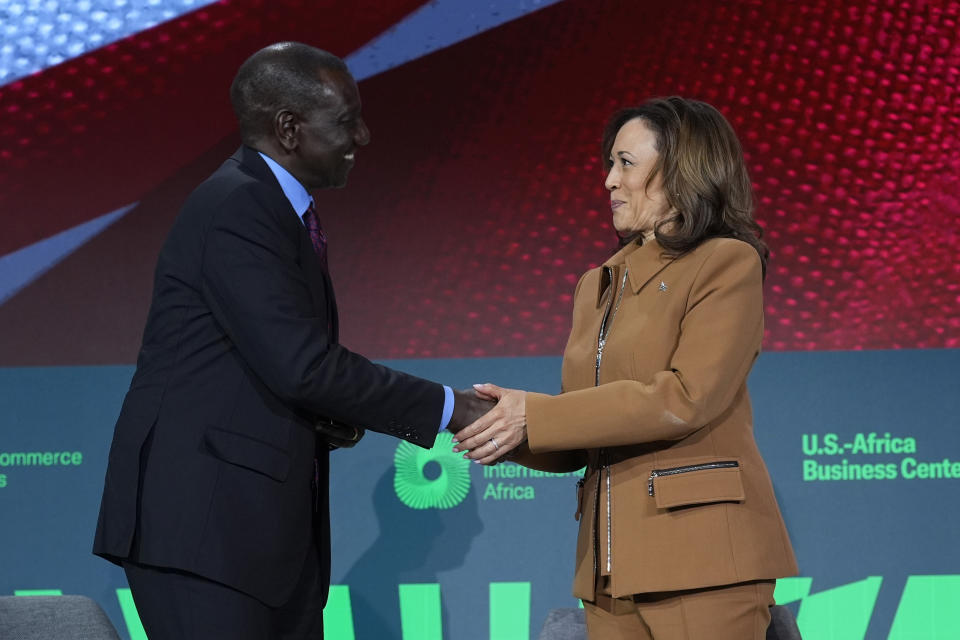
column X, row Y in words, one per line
column 848, row 114
column 479, row 202
column 99, row 131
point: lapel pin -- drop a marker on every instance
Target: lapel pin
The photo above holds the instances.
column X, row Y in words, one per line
column 663, row 286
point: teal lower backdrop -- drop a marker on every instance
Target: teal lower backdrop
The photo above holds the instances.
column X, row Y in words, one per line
column 863, row 447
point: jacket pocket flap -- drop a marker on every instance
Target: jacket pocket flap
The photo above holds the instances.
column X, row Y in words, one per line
column 700, row 486
column 248, row 453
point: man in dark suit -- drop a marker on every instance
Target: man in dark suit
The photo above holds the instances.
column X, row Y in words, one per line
column 215, row 499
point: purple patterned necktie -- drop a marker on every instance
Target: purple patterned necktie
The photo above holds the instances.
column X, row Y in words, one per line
column 317, row 237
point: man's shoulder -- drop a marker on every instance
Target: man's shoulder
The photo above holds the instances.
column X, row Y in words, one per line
column 235, row 173
column 238, row 184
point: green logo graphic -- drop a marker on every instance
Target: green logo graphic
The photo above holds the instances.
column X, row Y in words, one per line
column 418, row 491
column 927, row 610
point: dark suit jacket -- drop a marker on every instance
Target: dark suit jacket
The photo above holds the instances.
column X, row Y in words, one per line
column 211, row 469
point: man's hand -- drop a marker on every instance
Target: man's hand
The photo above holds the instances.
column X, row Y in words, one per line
column 467, row 407
column 496, row 434
column 337, row 435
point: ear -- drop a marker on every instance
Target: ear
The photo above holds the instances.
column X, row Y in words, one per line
column 286, row 128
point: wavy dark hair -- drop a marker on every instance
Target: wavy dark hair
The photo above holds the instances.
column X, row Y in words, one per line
column 705, row 178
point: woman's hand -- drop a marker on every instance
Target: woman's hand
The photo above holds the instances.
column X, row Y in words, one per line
column 500, row 431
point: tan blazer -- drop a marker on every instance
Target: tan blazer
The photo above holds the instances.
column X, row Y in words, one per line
column 676, row 495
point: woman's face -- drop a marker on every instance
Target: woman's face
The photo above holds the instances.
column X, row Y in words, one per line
column 636, row 208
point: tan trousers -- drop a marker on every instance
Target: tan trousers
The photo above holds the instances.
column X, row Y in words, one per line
column 732, row 612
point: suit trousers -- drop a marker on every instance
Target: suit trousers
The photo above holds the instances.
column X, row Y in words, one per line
column 177, row 605
column 732, row 612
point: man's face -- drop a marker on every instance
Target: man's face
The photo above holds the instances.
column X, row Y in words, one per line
column 329, row 135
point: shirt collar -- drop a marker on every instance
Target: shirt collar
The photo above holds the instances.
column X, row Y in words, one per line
column 295, row 192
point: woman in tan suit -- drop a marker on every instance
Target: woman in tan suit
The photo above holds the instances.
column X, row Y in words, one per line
column 680, row 533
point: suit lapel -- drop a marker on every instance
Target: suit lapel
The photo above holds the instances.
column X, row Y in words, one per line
column 645, row 263
column 318, row 280
column 321, row 286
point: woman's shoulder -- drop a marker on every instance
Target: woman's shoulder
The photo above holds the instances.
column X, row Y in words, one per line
column 591, row 275
column 725, row 247
column 717, row 257
column 723, row 250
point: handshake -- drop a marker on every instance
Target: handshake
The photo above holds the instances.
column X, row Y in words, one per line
column 488, row 423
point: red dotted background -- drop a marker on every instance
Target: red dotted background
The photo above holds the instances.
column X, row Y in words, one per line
column 100, row 131
column 479, row 202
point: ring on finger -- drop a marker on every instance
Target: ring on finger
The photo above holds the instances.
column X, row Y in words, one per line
column 496, row 445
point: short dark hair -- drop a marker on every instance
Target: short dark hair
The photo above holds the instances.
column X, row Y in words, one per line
column 281, row 76
column 705, row 178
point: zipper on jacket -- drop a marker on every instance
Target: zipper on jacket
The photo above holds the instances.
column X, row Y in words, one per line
column 605, row 326
column 609, row 524
column 596, row 527
column 672, row 471
column 607, row 321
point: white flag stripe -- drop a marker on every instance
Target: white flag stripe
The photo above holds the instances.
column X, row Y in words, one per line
column 37, row 34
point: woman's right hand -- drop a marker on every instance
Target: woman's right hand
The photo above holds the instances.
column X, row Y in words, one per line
column 503, row 429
